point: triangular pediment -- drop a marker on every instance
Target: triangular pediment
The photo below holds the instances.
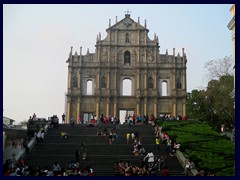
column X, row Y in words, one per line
column 126, row 24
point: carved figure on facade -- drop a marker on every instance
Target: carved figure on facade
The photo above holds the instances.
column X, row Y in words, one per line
column 74, row 84
column 179, row 73
column 149, row 55
column 150, row 83
column 103, row 82
column 142, row 54
column 179, row 85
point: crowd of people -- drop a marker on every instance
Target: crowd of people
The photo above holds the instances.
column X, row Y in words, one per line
column 150, row 164
column 13, row 168
column 145, row 168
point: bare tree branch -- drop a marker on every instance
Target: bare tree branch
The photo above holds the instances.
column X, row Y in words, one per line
column 217, row 68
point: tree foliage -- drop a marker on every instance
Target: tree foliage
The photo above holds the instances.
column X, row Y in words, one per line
column 214, row 104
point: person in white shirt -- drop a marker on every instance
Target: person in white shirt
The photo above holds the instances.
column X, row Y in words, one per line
column 150, row 157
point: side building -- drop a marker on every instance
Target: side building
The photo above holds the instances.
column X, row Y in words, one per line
column 96, row 81
column 231, row 26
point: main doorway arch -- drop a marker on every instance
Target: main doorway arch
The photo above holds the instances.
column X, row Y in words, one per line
column 123, row 113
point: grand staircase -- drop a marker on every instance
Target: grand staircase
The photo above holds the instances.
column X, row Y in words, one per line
column 101, row 156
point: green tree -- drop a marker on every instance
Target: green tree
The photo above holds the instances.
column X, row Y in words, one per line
column 196, row 106
column 213, row 105
column 221, row 104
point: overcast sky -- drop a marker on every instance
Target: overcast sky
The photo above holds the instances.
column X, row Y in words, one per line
column 37, row 41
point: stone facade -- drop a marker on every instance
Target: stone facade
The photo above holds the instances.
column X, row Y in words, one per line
column 158, row 81
column 231, row 26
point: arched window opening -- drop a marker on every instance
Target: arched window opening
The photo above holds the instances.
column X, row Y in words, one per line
column 89, row 87
column 127, row 38
column 127, row 58
column 150, row 83
column 127, row 87
column 164, row 88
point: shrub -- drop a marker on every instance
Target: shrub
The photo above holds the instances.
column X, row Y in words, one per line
column 204, row 145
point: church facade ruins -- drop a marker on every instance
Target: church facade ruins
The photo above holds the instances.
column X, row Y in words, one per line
column 96, row 81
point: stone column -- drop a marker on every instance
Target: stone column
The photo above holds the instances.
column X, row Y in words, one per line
column 68, row 112
column 145, row 81
column 97, row 107
column 155, row 80
column 98, row 79
column 145, row 37
column 109, row 53
column 183, row 109
column 139, row 36
column 109, row 47
column 155, row 54
column 137, row 80
column 138, row 107
column 145, row 55
column 69, row 78
column 78, row 109
column 174, row 80
column 116, row 37
column 116, row 49
column 145, row 106
column 174, row 110
column 107, row 108
column 79, row 81
column 183, row 80
column 108, row 78
column 138, row 52
column 114, row 80
column 155, row 109
column 115, row 108
column 98, row 53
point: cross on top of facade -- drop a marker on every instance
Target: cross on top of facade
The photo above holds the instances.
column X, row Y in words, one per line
column 127, row 11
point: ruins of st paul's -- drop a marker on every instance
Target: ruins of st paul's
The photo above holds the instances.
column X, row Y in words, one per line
column 157, row 81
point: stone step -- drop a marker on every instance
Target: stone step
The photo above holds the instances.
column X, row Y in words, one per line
column 106, row 126
column 93, row 131
column 102, row 149
column 99, row 163
column 93, row 139
column 100, row 154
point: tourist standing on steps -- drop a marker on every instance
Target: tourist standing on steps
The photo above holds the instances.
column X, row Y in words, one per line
column 150, row 158
column 63, row 118
column 34, row 117
column 84, row 150
column 157, row 143
column 128, row 137
column 72, row 122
